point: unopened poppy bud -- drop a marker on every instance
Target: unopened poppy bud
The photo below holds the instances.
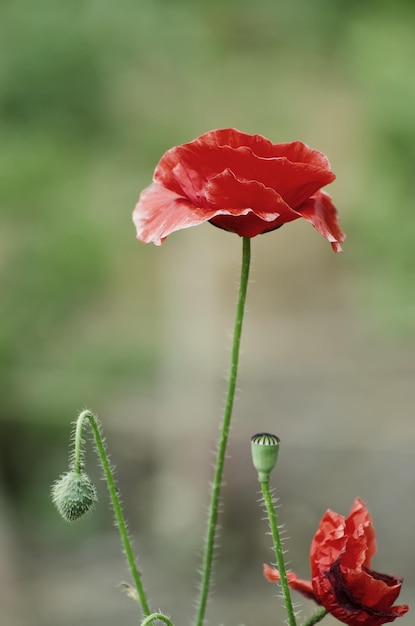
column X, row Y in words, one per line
column 73, row 494
column 264, row 449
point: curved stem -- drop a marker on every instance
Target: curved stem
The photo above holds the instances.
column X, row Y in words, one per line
column 116, row 504
column 316, row 617
column 220, row 458
column 162, row 618
column 273, row 523
column 78, row 450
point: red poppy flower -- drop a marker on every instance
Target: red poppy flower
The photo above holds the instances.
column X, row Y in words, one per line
column 241, row 183
column 341, row 578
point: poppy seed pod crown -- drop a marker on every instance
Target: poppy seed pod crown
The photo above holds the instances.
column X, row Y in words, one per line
column 264, row 450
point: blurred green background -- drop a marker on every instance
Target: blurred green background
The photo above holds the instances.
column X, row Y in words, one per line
column 91, row 95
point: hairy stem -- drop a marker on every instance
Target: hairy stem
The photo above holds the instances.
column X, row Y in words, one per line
column 159, row 616
column 223, row 441
column 273, row 523
column 116, row 504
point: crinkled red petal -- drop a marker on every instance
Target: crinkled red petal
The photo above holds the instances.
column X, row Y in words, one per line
column 293, row 169
column 296, row 151
column 352, row 538
column 341, row 579
column 354, row 616
column 328, row 542
column 337, row 597
column 370, row 588
column 359, row 527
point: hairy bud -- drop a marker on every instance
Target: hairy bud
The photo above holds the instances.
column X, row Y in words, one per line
column 73, row 494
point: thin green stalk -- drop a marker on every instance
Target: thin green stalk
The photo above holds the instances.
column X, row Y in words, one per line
column 316, row 617
column 220, row 458
column 162, row 618
column 116, row 504
column 273, row 523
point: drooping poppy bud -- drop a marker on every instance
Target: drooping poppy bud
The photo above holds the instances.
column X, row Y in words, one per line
column 74, row 495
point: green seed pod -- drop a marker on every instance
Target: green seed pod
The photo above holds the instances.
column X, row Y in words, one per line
column 264, row 449
column 73, row 494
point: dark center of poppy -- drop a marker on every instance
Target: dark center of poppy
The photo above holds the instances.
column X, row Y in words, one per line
column 345, row 598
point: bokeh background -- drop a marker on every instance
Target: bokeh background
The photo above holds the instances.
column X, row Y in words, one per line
column 91, row 95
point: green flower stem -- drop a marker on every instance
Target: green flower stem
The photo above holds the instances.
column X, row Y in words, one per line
column 162, row 618
column 220, row 458
column 316, row 618
column 122, row 527
column 273, row 523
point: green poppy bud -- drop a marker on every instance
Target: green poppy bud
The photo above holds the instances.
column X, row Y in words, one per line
column 264, row 449
column 73, row 494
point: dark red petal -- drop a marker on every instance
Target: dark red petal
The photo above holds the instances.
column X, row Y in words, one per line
column 294, row 170
column 337, row 595
column 322, row 214
column 249, row 225
column 297, row 584
column 357, row 616
column 160, row 212
column 372, row 589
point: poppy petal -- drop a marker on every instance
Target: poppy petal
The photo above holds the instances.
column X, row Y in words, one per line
column 241, row 183
column 322, row 214
column 372, row 589
column 337, row 597
column 226, row 190
column 295, row 151
column 296, row 584
column 159, row 212
column 359, row 526
column 340, row 553
column 293, row 169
